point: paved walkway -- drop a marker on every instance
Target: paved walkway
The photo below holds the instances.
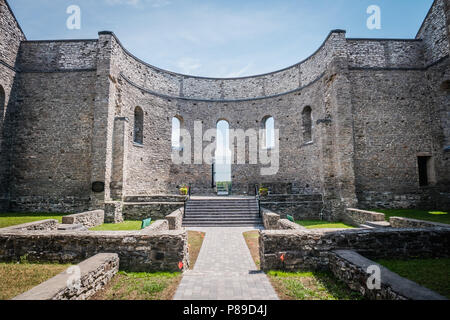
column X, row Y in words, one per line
column 224, row 270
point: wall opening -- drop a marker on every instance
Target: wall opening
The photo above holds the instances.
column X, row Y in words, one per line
column 176, row 132
column 138, row 125
column 222, row 159
column 445, row 86
column 2, row 102
column 269, row 132
column 426, row 171
column 307, row 124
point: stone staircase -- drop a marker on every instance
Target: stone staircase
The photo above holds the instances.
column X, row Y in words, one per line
column 222, row 212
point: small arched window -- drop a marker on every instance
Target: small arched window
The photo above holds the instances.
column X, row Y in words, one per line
column 138, row 125
column 269, row 132
column 176, row 132
column 2, row 102
column 307, row 125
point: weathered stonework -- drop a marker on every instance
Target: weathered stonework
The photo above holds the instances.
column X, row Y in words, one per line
column 309, row 249
column 113, row 212
column 400, row 222
column 43, row 225
column 88, row 219
column 356, row 217
column 95, row 273
column 376, row 105
column 351, row 268
column 175, row 219
column 149, row 252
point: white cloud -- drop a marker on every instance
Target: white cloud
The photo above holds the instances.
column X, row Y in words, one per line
column 241, row 72
column 188, row 65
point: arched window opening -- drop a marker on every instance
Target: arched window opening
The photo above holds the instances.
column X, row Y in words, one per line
column 307, row 125
column 222, row 160
column 176, row 132
column 138, row 125
column 2, row 102
column 269, row 132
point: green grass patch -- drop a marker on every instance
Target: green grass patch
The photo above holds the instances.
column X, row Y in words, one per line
column 310, row 286
column 318, row 224
column 17, row 278
column 433, row 274
column 141, row 286
column 427, row 215
column 13, row 219
column 124, row 226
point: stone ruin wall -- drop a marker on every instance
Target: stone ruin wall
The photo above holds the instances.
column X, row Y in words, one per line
column 53, row 123
column 10, row 37
column 338, row 82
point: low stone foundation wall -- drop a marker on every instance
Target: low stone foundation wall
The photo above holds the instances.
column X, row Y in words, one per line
column 159, row 225
column 94, row 274
column 272, row 221
column 356, row 217
column 309, row 249
column 351, row 268
column 88, row 219
column 285, row 224
column 176, row 219
column 43, row 225
column 152, row 252
column 399, row 222
column 145, row 210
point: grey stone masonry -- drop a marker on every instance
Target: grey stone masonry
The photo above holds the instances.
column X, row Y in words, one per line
column 150, row 252
column 175, row 219
column 94, row 273
column 351, row 268
column 400, row 222
column 43, row 225
column 113, row 212
column 309, row 249
column 270, row 219
column 357, row 217
column 88, row 219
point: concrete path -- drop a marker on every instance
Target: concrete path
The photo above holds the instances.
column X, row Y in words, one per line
column 225, row 270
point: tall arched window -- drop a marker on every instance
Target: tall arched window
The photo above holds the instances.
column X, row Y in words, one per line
column 2, row 102
column 269, row 132
column 307, row 125
column 176, row 132
column 138, row 125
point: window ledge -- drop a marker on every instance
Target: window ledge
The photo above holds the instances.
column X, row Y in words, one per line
column 139, row 145
column 308, row 143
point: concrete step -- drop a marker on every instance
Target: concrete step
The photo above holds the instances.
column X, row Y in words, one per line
column 221, row 219
column 222, row 224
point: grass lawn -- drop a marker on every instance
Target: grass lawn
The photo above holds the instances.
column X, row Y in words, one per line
column 302, row 285
column 150, row 286
column 433, row 215
column 433, row 274
column 310, row 286
column 318, row 224
column 124, row 226
column 18, row 278
column 12, row 219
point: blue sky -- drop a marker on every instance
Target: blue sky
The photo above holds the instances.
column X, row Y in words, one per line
column 220, row 38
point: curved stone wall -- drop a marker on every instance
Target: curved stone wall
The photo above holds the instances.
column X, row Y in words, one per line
column 173, row 85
